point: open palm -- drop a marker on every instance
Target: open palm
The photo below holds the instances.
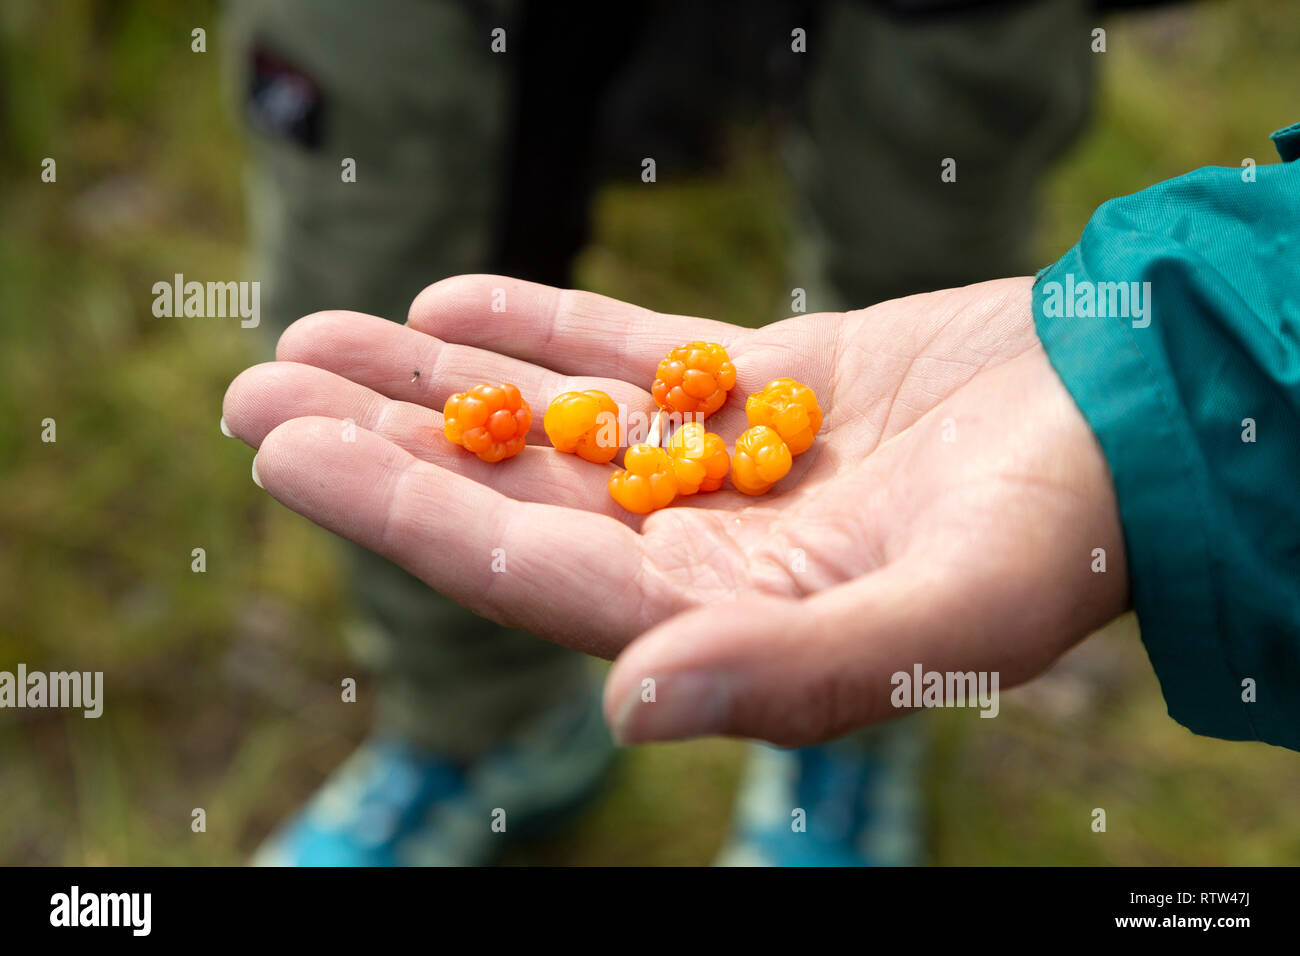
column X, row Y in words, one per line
column 948, row 514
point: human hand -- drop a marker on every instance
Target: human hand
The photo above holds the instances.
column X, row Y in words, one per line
column 946, row 515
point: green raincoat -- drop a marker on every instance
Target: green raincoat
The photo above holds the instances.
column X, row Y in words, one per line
column 1175, row 324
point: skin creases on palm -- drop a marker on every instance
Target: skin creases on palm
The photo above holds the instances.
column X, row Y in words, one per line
column 876, row 372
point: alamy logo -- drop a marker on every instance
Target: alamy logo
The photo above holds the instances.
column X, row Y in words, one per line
column 133, row 910
column 946, row 689
column 1085, row 299
column 77, row 689
column 210, row 300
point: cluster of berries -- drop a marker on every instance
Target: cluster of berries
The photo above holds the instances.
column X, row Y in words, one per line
column 693, row 380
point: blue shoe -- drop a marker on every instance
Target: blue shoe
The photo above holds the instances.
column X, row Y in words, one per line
column 855, row 802
column 393, row 805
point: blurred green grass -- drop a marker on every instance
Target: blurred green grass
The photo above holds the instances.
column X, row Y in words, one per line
column 222, row 686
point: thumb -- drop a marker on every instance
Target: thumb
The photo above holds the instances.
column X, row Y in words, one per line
column 791, row 671
column 801, row 671
column 739, row 668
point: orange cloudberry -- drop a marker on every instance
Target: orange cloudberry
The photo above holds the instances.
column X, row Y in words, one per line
column 788, row 407
column 761, row 460
column 700, row 459
column 646, row 483
column 492, row 421
column 584, row 424
column 694, row 379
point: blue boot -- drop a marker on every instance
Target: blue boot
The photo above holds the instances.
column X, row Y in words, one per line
column 854, row 802
column 393, row 805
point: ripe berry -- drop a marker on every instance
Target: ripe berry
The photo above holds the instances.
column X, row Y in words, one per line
column 585, row 424
column 647, row 483
column 492, row 421
column 761, row 460
column 700, row 459
column 788, row 407
column 694, row 378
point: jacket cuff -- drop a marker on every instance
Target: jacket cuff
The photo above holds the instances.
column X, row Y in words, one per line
column 1154, row 461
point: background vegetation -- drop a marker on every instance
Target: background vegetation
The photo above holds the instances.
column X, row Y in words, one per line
column 223, row 686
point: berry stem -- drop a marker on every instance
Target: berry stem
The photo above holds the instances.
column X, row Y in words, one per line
column 654, row 436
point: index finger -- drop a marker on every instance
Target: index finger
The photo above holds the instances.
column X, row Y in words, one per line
column 577, row 333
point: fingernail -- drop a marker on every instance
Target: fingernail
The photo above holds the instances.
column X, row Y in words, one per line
column 685, row 705
column 257, row 481
column 224, row 430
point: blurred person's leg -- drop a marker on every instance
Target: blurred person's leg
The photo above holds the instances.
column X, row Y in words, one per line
column 1002, row 89
column 471, row 715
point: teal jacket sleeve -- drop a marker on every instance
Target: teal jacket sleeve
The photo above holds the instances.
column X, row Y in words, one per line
column 1175, row 325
